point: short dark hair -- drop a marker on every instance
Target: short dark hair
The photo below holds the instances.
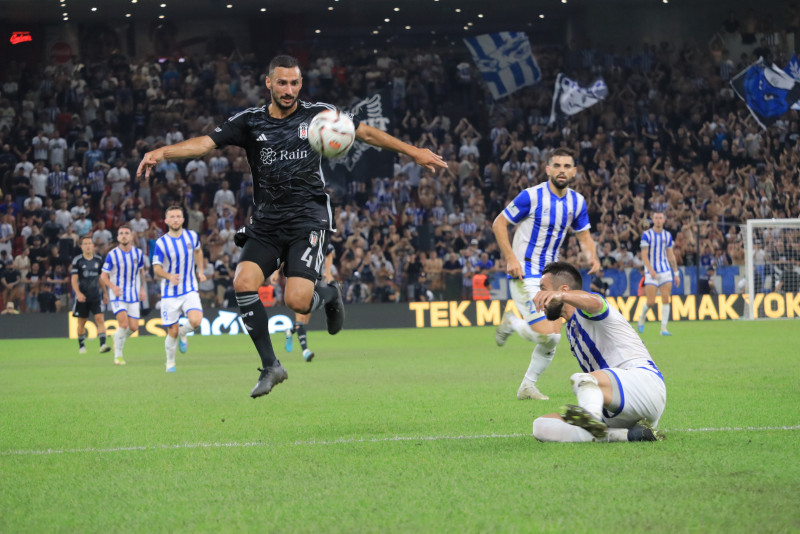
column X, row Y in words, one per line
column 125, row 226
column 561, row 151
column 86, row 236
column 565, row 272
column 286, row 62
column 173, row 207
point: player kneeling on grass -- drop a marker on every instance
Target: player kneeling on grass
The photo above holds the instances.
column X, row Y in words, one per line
column 621, row 393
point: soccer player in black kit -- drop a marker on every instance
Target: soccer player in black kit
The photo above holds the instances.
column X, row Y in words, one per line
column 89, row 297
column 292, row 212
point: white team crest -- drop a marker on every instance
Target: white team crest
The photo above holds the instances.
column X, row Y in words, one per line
column 313, row 238
column 302, row 130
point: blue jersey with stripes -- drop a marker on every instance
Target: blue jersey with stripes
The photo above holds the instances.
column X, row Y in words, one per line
column 176, row 256
column 542, row 220
column 657, row 244
column 123, row 270
column 606, row 340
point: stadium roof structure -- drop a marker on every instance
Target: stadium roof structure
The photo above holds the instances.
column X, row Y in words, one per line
column 358, row 12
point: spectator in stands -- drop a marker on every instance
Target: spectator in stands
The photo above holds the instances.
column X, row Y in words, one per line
column 118, row 177
column 224, row 198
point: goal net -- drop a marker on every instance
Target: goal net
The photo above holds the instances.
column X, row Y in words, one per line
column 772, row 262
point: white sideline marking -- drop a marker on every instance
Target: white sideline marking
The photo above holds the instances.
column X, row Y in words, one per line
column 345, row 441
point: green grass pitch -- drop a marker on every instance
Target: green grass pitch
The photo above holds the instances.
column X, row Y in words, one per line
column 392, row 431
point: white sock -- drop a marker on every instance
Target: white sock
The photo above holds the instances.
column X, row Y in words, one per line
column 170, row 345
column 542, row 355
column 665, row 309
column 617, row 434
column 119, row 340
column 550, row 429
column 643, row 316
column 589, row 394
column 185, row 328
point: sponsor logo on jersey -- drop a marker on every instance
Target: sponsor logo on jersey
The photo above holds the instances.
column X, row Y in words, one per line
column 513, row 210
column 268, row 155
column 302, row 130
column 217, row 129
column 313, row 238
column 262, row 137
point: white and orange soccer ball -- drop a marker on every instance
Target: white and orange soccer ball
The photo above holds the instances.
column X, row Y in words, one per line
column 331, row 133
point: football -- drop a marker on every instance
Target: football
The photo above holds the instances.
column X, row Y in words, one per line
column 331, row 133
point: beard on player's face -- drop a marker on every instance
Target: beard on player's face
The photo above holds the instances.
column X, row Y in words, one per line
column 553, row 311
column 560, row 180
column 284, row 101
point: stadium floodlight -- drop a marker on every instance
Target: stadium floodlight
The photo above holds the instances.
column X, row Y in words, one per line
column 772, row 259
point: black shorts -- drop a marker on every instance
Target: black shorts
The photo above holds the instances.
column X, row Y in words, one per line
column 84, row 309
column 301, row 251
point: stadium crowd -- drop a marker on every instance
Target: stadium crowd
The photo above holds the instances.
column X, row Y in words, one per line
column 671, row 136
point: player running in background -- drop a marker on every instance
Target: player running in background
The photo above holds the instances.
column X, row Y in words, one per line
column 123, row 277
column 292, row 212
column 543, row 214
column 301, row 319
column 89, row 296
column 661, row 269
column 621, row 393
column 175, row 257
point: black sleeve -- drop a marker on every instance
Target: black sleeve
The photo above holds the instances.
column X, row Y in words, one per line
column 75, row 265
column 231, row 132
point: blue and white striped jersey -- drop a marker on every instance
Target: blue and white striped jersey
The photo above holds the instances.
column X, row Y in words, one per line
column 176, row 255
column 542, row 220
column 657, row 244
column 606, row 340
column 123, row 270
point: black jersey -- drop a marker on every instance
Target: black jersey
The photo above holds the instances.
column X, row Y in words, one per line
column 88, row 272
column 287, row 174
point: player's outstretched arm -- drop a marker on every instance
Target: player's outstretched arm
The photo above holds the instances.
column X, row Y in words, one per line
column 191, row 148
column 422, row 156
column 588, row 302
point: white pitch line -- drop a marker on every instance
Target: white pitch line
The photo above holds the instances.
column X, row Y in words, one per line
column 343, row 441
column 734, row 429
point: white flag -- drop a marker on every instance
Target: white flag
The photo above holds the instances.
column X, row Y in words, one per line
column 570, row 98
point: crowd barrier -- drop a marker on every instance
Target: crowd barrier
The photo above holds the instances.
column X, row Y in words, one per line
column 437, row 314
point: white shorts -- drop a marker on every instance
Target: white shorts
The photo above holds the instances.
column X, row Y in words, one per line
column 639, row 393
column 171, row 307
column 661, row 278
column 131, row 308
column 523, row 291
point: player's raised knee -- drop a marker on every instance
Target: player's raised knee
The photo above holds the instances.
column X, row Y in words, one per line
column 578, row 379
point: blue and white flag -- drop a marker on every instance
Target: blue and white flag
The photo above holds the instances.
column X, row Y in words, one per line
column 768, row 91
column 570, row 98
column 505, row 61
column 793, row 70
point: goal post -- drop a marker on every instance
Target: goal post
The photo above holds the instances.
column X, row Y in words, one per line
column 772, row 259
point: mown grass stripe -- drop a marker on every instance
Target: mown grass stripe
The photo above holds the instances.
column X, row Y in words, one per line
column 343, row 441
